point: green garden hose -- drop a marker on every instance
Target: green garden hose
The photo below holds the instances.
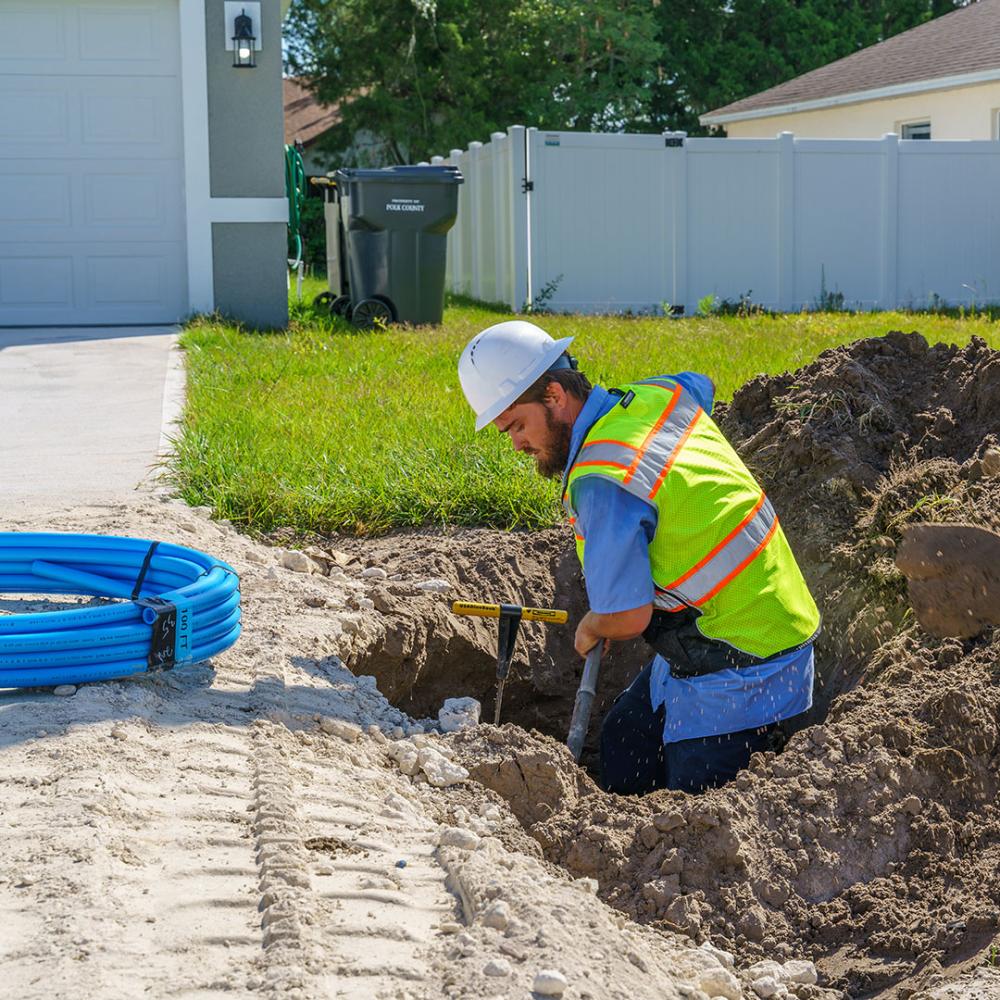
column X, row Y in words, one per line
column 295, row 190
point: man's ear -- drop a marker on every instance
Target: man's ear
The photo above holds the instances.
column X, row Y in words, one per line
column 555, row 396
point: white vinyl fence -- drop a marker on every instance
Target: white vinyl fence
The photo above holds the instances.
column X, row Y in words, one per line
column 613, row 223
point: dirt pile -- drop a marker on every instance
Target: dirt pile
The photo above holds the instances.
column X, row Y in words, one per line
column 872, row 843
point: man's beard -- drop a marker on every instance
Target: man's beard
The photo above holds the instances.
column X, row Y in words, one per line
column 552, row 462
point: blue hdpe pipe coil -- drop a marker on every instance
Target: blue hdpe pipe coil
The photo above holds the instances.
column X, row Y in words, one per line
column 175, row 606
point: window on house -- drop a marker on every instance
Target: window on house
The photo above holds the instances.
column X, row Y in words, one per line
column 916, row 130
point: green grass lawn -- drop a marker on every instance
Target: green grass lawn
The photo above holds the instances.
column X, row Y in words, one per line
column 325, row 428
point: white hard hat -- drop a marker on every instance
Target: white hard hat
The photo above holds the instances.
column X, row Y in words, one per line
column 502, row 362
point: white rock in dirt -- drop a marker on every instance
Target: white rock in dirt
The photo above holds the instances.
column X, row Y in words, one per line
column 798, row 970
column 587, row 885
column 459, row 713
column 455, row 836
column 549, row 983
column 497, row 967
column 768, row 967
column 404, row 754
column 765, row 987
column 496, row 915
column 338, row 727
column 374, row 573
column 366, row 604
column 298, row 562
column 119, row 733
column 434, row 586
column 725, row 957
column 64, row 690
column 720, row 982
column 440, row 772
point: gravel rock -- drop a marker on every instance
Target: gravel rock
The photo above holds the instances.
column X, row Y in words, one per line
column 456, row 836
column 374, row 573
column 298, row 562
column 549, row 983
column 664, row 822
column 434, row 586
column 725, row 957
column 64, row 690
column 440, row 772
column 720, row 982
column 338, row 727
column 497, row 967
column 768, row 967
column 119, row 733
column 496, row 915
column 799, row 971
column 459, row 713
column 765, row 987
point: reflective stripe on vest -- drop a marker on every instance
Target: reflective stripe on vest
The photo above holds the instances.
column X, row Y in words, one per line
column 647, row 466
column 724, row 563
column 646, row 469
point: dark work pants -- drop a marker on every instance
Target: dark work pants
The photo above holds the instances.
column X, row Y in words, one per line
column 634, row 759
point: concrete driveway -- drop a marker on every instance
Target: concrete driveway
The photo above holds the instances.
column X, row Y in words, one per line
column 82, row 411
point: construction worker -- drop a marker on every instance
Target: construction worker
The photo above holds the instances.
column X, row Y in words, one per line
column 678, row 544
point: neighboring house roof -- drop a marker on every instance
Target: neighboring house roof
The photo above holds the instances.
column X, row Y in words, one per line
column 957, row 49
column 305, row 118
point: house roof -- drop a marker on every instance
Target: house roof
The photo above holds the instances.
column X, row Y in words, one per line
column 305, row 118
column 962, row 47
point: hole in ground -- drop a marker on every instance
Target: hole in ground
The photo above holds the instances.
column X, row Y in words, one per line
column 872, row 843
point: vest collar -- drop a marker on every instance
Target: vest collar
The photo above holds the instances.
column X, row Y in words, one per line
column 599, row 403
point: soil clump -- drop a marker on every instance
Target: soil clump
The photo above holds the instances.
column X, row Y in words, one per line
column 871, row 844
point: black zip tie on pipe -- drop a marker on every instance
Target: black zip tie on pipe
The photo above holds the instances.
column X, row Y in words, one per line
column 143, row 570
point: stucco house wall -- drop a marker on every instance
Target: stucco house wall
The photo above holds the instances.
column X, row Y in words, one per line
column 246, row 150
column 959, row 113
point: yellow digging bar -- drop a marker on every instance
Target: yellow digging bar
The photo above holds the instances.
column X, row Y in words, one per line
column 553, row 615
column 511, row 616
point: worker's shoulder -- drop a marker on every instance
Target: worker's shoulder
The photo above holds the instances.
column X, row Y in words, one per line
column 698, row 384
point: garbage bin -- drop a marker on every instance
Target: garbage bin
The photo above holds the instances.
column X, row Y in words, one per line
column 336, row 299
column 397, row 221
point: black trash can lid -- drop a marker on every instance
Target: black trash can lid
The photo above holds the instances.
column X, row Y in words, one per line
column 436, row 174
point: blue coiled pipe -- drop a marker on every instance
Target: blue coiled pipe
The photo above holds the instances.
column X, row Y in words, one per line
column 113, row 640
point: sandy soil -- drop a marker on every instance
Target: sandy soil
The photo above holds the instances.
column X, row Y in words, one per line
column 242, row 828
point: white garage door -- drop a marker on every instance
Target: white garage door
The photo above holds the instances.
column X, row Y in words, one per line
column 91, row 168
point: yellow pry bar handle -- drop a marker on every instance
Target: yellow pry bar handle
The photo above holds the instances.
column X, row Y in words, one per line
column 477, row 610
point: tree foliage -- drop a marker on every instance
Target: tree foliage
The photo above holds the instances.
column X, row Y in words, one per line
column 715, row 53
column 430, row 75
column 426, row 76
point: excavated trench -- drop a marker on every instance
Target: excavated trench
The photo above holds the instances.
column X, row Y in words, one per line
column 871, row 844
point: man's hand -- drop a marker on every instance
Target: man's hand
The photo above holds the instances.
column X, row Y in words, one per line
column 595, row 628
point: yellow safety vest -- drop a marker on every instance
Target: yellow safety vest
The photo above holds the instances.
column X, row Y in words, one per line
column 728, row 591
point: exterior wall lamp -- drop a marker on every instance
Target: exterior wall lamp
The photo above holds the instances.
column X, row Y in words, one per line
column 240, row 36
column 243, row 42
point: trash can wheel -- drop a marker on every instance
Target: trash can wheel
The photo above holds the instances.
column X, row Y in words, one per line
column 341, row 306
column 368, row 312
column 322, row 301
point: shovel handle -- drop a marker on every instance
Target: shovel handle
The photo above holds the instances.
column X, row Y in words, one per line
column 580, row 722
column 553, row 615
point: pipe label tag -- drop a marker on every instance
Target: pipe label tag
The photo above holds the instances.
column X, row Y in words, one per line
column 172, row 638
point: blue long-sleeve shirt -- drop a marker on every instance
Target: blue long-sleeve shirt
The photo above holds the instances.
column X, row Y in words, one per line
column 618, row 527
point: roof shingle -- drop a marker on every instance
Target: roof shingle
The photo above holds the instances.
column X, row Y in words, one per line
column 305, row 118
